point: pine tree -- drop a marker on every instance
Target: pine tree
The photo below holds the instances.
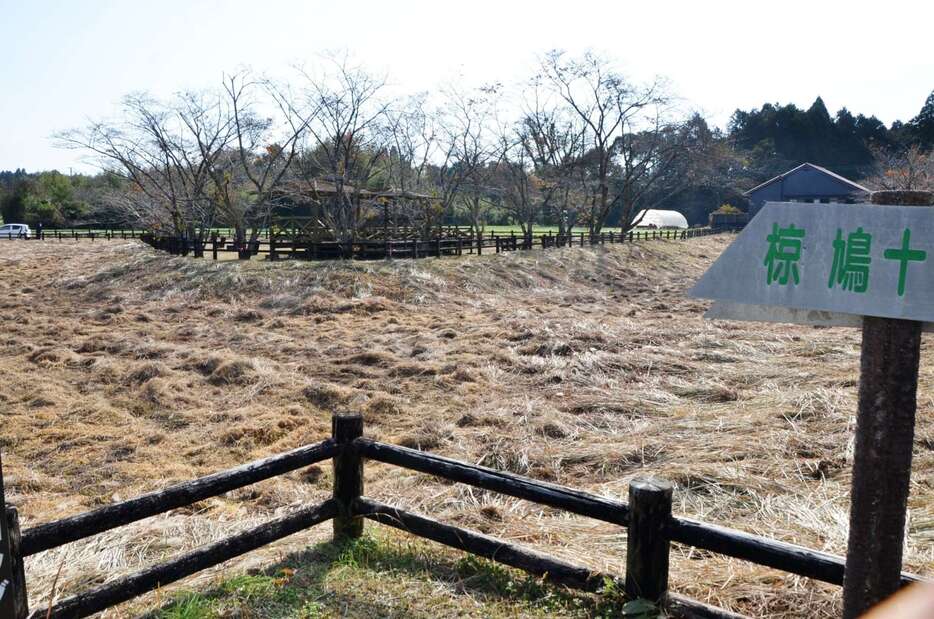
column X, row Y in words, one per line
column 922, row 125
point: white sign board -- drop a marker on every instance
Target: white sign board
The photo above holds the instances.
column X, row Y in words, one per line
column 821, row 260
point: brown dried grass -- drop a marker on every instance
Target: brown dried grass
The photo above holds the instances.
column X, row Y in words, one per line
column 585, row 367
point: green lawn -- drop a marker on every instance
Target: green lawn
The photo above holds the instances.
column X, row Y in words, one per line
column 390, row 574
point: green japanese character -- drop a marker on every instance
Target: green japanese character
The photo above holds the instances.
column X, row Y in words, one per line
column 783, row 255
column 905, row 254
column 851, row 260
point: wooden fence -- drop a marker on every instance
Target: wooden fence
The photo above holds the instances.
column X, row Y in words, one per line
column 280, row 248
column 651, row 527
column 277, row 249
column 75, row 234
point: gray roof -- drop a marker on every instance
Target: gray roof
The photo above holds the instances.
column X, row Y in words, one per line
column 855, row 186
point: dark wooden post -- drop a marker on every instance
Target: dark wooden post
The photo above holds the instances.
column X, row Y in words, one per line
column 13, row 598
column 480, row 244
column 348, row 474
column 273, row 255
column 647, row 544
column 885, row 422
column 18, row 581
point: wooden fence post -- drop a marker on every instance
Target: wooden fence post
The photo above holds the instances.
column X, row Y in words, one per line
column 348, row 474
column 885, row 425
column 647, row 544
column 18, row 581
column 12, row 578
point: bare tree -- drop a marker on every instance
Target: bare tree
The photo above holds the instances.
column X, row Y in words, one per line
column 613, row 111
column 467, row 147
column 164, row 150
column 655, row 164
column 554, row 141
column 267, row 130
column 907, row 169
column 518, row 188
column 346, row 142
column 413, row 133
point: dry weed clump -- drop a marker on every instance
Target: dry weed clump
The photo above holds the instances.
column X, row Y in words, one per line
column 328, row 396
column 126, row 370
column 234, row 372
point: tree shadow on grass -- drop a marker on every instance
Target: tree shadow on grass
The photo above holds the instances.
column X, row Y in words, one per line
column 382, row 575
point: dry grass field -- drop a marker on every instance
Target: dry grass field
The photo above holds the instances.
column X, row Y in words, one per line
column 124, row 370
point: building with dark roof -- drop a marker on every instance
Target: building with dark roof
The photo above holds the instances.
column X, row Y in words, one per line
column 806, row 183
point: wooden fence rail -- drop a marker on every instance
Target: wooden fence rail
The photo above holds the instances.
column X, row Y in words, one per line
column 75, row 234
column 53, row 534
column 650, row 526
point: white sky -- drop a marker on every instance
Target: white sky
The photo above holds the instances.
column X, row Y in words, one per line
column 62, row 62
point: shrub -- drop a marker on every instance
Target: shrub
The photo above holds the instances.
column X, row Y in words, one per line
column 728, row 209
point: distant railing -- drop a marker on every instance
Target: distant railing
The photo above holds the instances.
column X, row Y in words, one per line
column 651, row 527
column 277, row 249
column 73, row 234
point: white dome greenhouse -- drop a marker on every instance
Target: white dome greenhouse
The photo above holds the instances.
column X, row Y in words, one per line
column 653, row 218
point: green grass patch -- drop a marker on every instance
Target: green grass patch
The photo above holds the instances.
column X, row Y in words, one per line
column 387, row 574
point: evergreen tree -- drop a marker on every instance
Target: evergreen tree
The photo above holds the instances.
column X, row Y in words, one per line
column 922, row 125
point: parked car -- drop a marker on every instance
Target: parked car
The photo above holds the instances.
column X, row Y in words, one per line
column 15, row 231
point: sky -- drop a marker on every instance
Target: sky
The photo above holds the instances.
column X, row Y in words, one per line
column 64, row 62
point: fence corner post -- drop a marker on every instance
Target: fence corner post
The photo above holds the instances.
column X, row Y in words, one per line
column 348, row 474
column 18, row 584
column 647, row 544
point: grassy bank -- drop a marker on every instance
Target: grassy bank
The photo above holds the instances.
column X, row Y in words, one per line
column 126, row 370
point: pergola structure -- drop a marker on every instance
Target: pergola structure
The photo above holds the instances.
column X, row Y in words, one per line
column 380, row 212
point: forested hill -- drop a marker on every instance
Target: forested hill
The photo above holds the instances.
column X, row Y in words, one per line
column 778, row 137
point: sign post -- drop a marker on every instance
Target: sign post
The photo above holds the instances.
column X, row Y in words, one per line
column 885, row 427
column 851, row 265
